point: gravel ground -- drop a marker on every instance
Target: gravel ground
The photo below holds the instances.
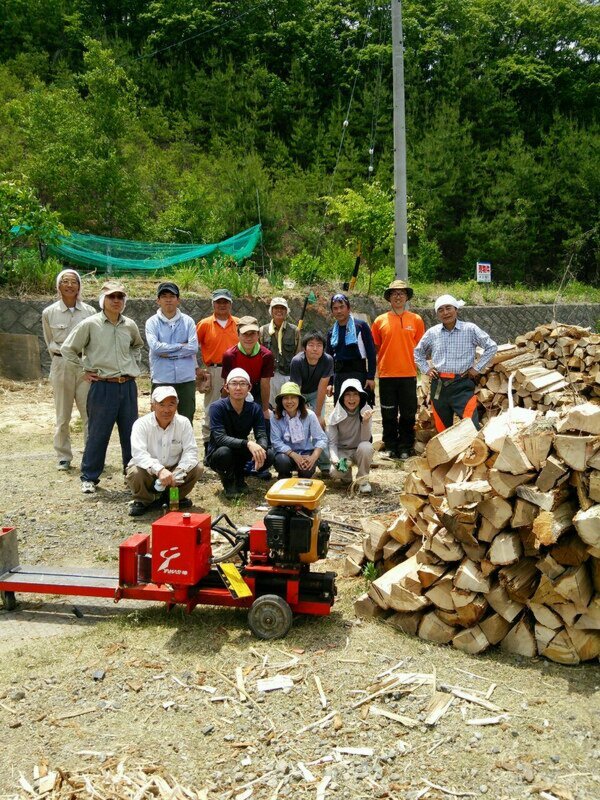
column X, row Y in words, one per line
column 150, row 687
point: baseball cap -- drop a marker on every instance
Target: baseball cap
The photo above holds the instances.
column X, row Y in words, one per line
column 247, row 324
column 162, row 392
column 111, row 287
column 167, row 286
column 221, row 294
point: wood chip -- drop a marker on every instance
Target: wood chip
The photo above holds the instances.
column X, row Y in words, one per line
column 488, row 720
column 354, row 751
column 408, row 722
column 274, row 683
column 451, row 792
column 319, row 686
column 321, row 788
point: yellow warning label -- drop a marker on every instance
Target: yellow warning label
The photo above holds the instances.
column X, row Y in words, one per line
column 234, row 581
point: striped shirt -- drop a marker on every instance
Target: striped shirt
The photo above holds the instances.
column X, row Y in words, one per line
column 454, row 351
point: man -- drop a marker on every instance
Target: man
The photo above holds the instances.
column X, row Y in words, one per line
column 282, row 339
column 450, row 347
column 350, row 343
column 68, row 383
column 396, row 334
column 311, row 370
column 216, row 334
column 173, row 344
column 163, row 454
column 110, row 348
column 252, row 357
column 232, row 419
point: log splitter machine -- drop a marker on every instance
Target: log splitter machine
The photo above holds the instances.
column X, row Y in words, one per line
column 175, row 563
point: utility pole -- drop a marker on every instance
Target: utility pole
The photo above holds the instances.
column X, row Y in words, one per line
column 400, row 206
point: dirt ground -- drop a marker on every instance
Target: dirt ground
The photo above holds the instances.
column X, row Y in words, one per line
column 86, row 684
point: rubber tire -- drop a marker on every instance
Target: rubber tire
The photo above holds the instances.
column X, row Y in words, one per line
column 9, row 601
column 270, row 617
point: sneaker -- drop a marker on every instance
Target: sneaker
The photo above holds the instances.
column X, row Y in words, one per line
column 63, row 465
column 403, row 455
column 185, row 502
column 263, row 475
column 88, row 487
column 365, row 488
column 137, row 508
column 325, row 473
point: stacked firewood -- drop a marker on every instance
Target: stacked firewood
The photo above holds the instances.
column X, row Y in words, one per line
column 498, row 538
column 552, row 366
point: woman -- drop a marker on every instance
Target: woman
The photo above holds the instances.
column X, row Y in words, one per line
column 296, row 435
column 349, row 434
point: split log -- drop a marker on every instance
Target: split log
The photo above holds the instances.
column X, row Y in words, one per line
column 477, row 453
column 546, row 616
column 350, row 568
column 393, row 553
column 536, row 444
column 590, row 619
column 461, row 494
column 494, row 628
column 470, row 614
column 524, row 514
column 366, row 608
column 520, row 640
column 561, row 649
column 543, row 636
column 449, row 443
column 587, row 643
column 445, row 546
column 470, row 578
column 434, row 630
column 594, row 486
column 487, row 531
column 472, row 640
column 404, row 600
column 546, row 594
column 381, row 588
column 575, row 585
column 570, row 551
column 430, row 573
column 407, row 623
column 503, row 604
column 548, row 526
column 584, row 417
column 505, row 549
column 440, row 593
column 547, row 501
column 520, row 580
column 587, row 524
column 438, row 478
column 496, row 510
column 575, row 450
column 402, row 528
column 551, row 472
column 512, row 458
column 550, row 567
column 505, row 484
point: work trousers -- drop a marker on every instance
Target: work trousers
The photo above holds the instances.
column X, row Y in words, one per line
column 214, row 393
column 141, row 482
column 398, row 400
column 107, row 404
column 230, row 462
column 69, row 386
column 450, row 397
column 284, row 465
column 362, row 457
column 186, row 396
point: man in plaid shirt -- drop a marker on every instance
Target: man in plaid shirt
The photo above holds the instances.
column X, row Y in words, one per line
column 446, row 353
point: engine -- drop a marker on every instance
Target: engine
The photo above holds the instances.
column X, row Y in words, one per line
column 295, row 532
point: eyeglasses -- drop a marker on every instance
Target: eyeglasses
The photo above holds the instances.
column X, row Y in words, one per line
column 116, row 296
column 238, row 384
column 399, row 293
column 69, row 282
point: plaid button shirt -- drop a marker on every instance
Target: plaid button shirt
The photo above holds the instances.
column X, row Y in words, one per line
column 454, row 351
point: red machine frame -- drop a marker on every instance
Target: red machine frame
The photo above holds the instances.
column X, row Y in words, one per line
column 186, row 537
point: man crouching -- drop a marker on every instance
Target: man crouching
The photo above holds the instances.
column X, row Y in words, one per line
column 163, row 454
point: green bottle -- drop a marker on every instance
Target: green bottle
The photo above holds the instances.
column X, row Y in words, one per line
column 174, row 498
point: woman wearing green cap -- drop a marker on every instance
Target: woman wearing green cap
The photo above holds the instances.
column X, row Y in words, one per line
column 296, row 435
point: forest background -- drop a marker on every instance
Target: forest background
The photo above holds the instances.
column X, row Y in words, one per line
column 182, row 120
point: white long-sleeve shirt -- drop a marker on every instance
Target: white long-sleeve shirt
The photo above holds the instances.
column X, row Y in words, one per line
column 153, row 447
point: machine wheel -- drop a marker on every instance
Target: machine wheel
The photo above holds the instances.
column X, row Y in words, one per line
column 9, row 601
column 270, row 617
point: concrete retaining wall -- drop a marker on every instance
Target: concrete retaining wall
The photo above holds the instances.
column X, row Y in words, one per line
column 503, row 323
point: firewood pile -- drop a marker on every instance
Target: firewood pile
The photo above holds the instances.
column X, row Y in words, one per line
column 552, row 366
column 498, row 538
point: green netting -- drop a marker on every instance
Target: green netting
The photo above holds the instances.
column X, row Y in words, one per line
column 120, row 255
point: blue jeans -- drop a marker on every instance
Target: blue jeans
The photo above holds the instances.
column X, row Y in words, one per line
column 108, row 403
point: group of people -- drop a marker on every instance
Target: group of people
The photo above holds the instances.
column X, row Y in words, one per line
column 264, row 387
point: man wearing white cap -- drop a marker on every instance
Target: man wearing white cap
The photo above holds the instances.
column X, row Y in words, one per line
column 109, row 346
column 68, row 383
column 450, row 348
column 282, row 338
column 163, row 454
column 232, row 420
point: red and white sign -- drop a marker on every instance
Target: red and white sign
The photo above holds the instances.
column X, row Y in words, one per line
column 484, row 272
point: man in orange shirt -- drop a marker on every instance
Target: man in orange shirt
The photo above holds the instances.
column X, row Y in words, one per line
column 396, row 334
column 216, row 334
